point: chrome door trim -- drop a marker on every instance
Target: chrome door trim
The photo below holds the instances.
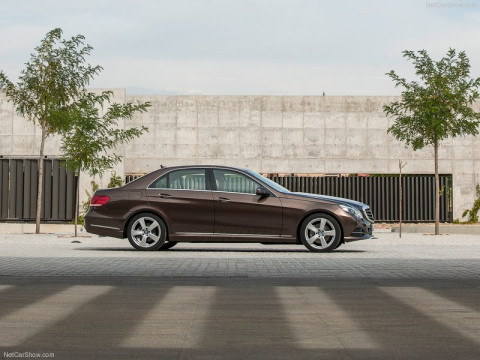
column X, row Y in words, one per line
column 232, row 235
column 105, row 227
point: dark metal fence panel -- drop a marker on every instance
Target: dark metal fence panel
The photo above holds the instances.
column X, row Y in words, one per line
column 131, row 177
column 47, row 191
column 18, row 190
column 16, row 179
column 55, row 185
column 4, row 178
column 381, row 193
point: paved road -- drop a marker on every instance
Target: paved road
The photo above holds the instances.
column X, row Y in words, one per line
column 388, row 298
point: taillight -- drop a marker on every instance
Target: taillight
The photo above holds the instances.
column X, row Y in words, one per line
column 99, row 200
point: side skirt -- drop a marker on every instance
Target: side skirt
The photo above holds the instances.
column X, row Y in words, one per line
column 241, row 238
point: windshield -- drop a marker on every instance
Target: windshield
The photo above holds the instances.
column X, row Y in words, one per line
column 269, row 182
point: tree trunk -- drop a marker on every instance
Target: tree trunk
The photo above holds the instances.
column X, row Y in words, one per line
column 40, row 179
column 77, row 192
column 437, row 192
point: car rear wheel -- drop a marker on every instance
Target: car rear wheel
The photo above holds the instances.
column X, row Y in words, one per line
column 146, row 232
column 320, row 233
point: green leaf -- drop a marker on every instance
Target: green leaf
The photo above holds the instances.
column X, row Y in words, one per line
column 88, row 141
column 438, row 104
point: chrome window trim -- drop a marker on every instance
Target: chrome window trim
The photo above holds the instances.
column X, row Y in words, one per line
column 212, row 191
column 239, row 193
column 168, row 189
column 212, row 168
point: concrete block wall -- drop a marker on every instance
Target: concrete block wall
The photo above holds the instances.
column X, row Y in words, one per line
column 280, row 134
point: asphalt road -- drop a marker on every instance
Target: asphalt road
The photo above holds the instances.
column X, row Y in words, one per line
column 96, row 298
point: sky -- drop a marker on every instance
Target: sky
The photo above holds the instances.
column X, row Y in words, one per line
column 245, row 47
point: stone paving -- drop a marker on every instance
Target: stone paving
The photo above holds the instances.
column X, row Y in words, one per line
column 413, row 256
column 97, row 298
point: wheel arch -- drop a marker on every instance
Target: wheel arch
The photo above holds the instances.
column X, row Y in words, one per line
column 326, row 212
column 145, row 211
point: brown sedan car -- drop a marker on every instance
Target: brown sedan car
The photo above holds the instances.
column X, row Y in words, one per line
column 223, row 204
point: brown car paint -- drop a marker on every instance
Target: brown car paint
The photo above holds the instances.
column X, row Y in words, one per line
column 214, row 216
column 262, row 216
column 183, row 206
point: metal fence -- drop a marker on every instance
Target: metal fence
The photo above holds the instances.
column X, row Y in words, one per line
column 19, row 190
column 381, row 193
column 19, row 178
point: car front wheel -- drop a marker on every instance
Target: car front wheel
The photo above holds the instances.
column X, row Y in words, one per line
column 146, row 232
column 320, row 233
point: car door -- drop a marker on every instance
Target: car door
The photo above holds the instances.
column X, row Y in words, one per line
column 185, row 200
column 238, row 210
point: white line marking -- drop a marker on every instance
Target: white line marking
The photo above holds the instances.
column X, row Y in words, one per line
column 5, row 287
column 318, row 322
column 22, row 324
column 165, row 325
column 453, row 315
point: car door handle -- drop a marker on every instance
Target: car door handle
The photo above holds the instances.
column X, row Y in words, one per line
column 164, row 195
column 224, row 200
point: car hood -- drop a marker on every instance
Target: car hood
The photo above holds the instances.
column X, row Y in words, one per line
column 333, row 199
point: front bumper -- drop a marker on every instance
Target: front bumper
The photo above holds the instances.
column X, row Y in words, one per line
column 363, row 231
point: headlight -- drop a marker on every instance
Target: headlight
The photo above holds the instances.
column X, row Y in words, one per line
column 352, row 211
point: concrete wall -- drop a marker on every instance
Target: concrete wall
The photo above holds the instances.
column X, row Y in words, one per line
column 291, row 134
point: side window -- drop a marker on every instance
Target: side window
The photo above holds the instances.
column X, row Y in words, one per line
column 160, row 183
column 188, row 179
column 231, row 181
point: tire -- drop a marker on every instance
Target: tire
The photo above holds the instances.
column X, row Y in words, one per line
column 167, row 245
column 146, row 232
column 320, row 233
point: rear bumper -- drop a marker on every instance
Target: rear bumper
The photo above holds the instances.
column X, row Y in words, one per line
column 95, row 224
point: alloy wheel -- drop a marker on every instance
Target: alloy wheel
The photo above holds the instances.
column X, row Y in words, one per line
column 146, row 232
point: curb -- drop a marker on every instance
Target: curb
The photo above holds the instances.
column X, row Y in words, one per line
column 29, row 228
column 444, row 229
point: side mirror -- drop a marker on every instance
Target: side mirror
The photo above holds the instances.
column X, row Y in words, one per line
column 262, row 191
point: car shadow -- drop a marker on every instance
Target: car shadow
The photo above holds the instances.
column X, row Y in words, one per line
column 217, row 250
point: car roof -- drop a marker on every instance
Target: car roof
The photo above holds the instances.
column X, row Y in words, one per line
column 204, row 166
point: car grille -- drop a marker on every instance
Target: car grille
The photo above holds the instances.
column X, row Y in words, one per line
column 369, row 214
